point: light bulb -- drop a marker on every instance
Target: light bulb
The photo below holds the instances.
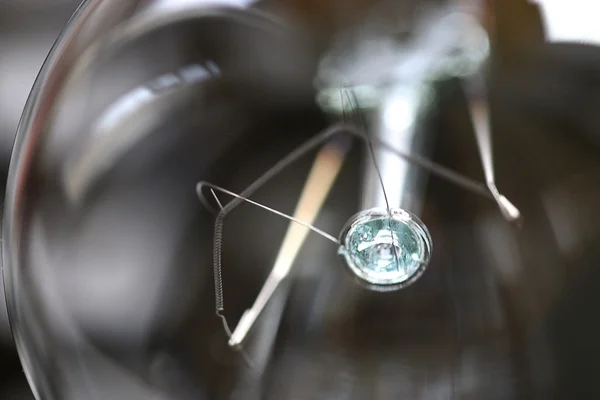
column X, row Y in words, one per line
column 359, row 244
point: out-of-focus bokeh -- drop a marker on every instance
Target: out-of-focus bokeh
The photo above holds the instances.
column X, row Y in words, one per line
column 503, row 315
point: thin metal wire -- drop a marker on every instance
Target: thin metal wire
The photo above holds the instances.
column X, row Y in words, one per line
column 212, row 187
column 441, row 171
column 249, row 191
column 319, row 182
column 377, row 169
column 207, row 204
column 216, row 198
column 311, row 144
column 481, row 126
column 245, row 355
column 436, row 169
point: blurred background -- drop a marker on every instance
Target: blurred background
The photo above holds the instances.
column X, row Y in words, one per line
column 544, row 88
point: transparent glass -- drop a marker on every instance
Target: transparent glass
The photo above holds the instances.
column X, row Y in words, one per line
column 386, row 252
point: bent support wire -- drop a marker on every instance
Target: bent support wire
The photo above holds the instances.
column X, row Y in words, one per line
column 329, row 161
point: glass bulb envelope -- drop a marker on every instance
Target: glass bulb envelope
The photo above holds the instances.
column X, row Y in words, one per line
column 197, row 209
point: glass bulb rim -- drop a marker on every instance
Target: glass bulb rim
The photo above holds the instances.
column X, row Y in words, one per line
column 398, row 214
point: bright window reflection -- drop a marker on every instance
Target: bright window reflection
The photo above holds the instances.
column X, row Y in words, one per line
column 573, row 20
